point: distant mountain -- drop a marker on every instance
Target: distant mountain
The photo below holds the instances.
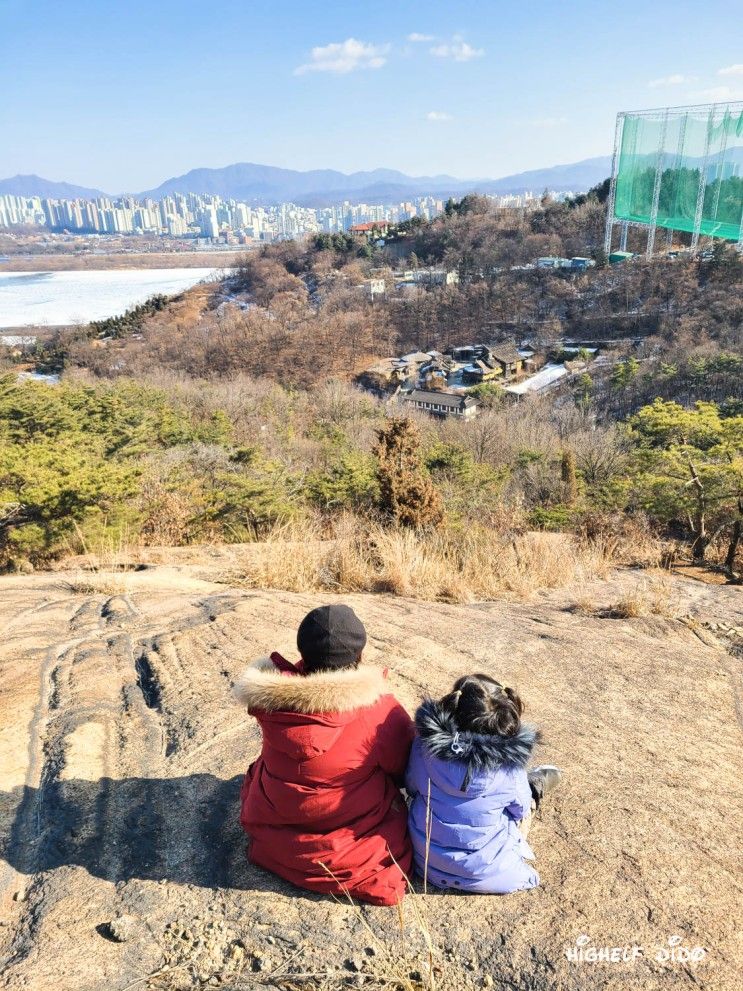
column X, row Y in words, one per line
column 575, row 178
column 320, row 187
column 265, row 184
column 34, row 185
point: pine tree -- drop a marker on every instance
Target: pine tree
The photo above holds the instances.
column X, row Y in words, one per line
column 569, row 477
column 406, row 493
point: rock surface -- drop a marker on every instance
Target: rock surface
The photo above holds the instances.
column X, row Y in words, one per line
column 121, row 751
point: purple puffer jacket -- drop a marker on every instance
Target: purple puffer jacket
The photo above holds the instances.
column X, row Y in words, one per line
column 478, row 793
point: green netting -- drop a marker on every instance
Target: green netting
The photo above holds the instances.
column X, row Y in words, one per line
column 683, row 147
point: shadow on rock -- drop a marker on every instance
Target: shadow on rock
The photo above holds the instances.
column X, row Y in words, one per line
column 184, row 830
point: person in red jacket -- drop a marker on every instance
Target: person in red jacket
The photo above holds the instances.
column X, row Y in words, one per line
column 322, row 805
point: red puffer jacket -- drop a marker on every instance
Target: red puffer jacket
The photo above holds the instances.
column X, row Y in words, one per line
column 324, row 790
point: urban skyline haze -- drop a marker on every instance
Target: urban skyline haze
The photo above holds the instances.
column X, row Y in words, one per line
column 119, row 96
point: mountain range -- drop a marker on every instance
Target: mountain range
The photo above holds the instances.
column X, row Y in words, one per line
column 266, row 184
column 34, row 185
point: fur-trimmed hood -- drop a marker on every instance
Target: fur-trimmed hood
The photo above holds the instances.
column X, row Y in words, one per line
column 479, row 751
column 263, row 688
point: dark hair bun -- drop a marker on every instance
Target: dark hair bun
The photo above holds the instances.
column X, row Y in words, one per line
column 480, row 704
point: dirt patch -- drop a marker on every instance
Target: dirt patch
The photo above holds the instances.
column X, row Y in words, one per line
column 707, row 575
column 121, row 755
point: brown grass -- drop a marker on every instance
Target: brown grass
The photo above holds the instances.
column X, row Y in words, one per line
column 120, row 260
column 647, row 601
column 652, row 596
column 394, row 964
column 106, row 567
column 449, row 566
column 97, row 583
column 626, row 539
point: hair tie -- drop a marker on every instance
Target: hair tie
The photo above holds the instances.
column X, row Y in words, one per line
column 457, row 697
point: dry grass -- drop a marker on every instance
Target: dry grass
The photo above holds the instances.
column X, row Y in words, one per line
column 584, row 605
column 647, row 601
column 166, row 515
column 394, row 964
column 97, row 583
column 652, row 596
column 448, row 566
column 107, row 565
column 626, row 539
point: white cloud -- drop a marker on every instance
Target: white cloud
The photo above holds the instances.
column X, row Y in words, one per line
column 344, row 56
column 731, row 70
column 438, row 115
column 675, row 79
column 719, row 94
column 415, row 36
column 457, row 49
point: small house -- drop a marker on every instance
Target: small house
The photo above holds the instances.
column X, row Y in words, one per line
column 384, row 375
column 440, row 404
column 580, row 264
column 372, row 229
column 437, row 362
column 464, row 354
column 435, row 276
column 553, row 261
column 416, row 358
column 509, row 359
column 481, row 371
column 374, row 287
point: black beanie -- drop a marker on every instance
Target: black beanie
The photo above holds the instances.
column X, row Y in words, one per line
column 330, row 637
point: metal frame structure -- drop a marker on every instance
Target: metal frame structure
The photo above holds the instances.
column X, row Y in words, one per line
column 610, row 204
column 664, row 113
column 656, row 187
column 700, row 194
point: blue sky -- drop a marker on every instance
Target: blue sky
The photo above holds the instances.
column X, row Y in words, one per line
column 121, row 94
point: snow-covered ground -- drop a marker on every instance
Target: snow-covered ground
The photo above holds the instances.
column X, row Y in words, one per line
column 54, row 298
column 545, row 377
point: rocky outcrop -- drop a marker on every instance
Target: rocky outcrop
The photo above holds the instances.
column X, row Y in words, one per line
column 121, row 858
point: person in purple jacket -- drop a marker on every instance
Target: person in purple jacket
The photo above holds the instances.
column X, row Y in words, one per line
column 472, row 797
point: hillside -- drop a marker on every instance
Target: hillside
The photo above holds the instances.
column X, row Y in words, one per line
column 121, row 753
column 34, row 185
column 575, row 177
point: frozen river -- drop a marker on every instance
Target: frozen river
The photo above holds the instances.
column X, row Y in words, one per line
column 32, row 299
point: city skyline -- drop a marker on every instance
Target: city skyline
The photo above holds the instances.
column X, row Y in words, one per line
column 117, row 96
column 212, row 218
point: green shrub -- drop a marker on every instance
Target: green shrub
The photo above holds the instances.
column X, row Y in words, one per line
column 52, row 488
column 553, row 518
column 527, row 457
column 489, row 394
column 348, row 482
column 131, row 321
column 72, row 458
